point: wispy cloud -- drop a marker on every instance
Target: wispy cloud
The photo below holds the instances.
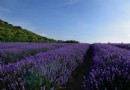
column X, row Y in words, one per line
column 5, row 10
column 6, row 5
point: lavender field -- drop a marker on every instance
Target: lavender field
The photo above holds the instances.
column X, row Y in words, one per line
column 64, row 66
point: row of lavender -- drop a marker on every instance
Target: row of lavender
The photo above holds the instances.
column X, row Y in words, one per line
column 124, row 46
column 44, row 71
column 110, row 69
column 9, row 45
column 4, row 45
column 12, row 52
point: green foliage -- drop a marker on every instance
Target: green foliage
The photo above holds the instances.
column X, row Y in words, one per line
column 10, row 33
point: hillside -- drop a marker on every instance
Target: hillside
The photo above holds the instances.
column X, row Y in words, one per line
column 11, row 33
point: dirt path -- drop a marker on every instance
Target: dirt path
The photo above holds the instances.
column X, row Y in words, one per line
column 77, row 76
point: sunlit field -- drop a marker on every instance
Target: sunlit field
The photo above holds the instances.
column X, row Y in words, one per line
column 64, row 44
column 61, row 66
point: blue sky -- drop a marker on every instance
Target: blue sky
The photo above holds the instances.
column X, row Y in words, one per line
column 83, row 20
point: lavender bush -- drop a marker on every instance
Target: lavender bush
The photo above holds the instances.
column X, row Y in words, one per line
column 110, row 69
column 22, row 50
column 43, row 71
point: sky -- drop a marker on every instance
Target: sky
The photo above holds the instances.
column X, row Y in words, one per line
column 87, row 21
